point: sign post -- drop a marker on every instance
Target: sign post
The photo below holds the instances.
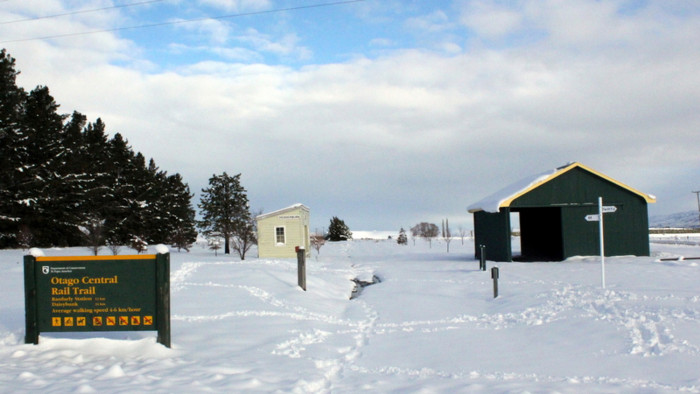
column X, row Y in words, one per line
column 602, row 209
column 301, row 266
column 97, row 293
column 602, row 241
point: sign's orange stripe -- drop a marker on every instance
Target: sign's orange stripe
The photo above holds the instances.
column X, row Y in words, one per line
column 97, row 258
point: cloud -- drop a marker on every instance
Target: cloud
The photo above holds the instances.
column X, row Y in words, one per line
column 286, row 45
column 433, row 22
column 490, row 20
column 237, row 5
column 412, row 134
column 216, row 32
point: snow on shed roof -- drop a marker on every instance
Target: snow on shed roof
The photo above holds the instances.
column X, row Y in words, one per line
column 504, row 197
column 279, row 211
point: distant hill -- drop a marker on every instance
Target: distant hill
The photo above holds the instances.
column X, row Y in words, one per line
column 687, row 219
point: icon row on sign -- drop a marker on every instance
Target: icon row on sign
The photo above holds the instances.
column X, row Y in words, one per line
column 98, row 321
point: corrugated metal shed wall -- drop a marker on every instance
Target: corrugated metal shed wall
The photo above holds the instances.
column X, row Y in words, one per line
column 493, row 230
column 576, row 192
column 553, row 225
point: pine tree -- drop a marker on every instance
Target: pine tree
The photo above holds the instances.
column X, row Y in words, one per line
column 140, row 183
column 338, row 230
column 152, row 206
column 43, row 207
column 97, row 194
column 184, row 233
column 178, row 213
column 402, row 239
column 12, row 150
column 119, row 173
column 73, row 179
column 224, row 207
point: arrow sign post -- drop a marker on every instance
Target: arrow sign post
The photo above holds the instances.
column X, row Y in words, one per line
column 602, row 240
column 602, row 209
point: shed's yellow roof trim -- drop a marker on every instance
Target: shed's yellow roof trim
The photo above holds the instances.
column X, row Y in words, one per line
column 563, row 170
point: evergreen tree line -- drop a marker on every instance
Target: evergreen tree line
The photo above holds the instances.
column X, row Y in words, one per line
column 60, row 174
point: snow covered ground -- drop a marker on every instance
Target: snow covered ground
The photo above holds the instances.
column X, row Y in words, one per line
column 431, row 325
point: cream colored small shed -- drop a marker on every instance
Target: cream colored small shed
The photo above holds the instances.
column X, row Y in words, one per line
column 279, row 232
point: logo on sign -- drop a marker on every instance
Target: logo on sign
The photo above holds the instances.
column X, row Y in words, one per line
column 45, row 269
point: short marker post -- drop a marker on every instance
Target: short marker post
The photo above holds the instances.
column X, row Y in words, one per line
column 482, row 257
column 494, row 276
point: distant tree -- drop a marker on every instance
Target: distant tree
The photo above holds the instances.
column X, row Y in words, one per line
column 214, row 242
column 414, row 233
column 113, row 247
column 317, row 241
column 94, row 233
column 425, row 230
column 224, row 207
column 245, row 235
column 402, row 239
column 138, row 244
column 446, row 233
column 181, row 239
column 338, row 230
column 25, row 238
column 462, row 233
column 113, row 242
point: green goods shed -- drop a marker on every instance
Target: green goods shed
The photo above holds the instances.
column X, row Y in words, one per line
column 554, row 211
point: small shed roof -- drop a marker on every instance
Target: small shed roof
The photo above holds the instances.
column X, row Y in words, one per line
column 283, row 210
column 504, row 197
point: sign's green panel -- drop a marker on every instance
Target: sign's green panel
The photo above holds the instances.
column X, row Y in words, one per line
column 96, row 295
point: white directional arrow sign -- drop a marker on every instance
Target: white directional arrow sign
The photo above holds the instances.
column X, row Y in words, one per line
column 604, row 209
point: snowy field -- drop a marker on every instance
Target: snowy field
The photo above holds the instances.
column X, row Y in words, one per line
column 431, row 325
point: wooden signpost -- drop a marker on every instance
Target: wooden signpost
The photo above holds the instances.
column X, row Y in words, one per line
column 97, row 293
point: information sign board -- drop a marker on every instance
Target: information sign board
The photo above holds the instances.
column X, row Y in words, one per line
column 97, row 293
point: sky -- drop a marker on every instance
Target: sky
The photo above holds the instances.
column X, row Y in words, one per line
column 382, row 113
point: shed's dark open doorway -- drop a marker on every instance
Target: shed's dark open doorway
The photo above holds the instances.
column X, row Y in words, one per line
column 540, row 234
